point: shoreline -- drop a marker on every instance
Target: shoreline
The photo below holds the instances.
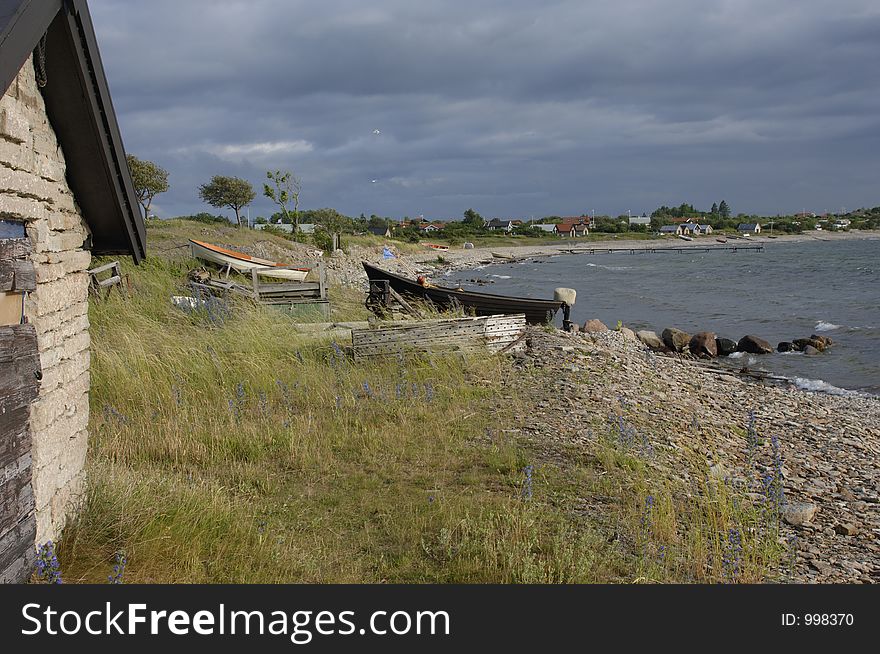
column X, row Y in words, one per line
column 459, row 258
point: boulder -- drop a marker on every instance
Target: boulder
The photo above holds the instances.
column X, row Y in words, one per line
column 629, row 334
column 801, row 343
column 675, row 339
column 785, row 346
column 594, row 327
column 651, row 339
column 753, row 345
column 821, row 343
column 725, row 346
column 798, row 514
column 810, row 350
column 703, row 345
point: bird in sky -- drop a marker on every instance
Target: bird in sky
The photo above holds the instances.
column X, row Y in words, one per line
column 376, row 132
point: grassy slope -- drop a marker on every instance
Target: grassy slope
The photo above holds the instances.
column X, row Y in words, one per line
column 230, row 452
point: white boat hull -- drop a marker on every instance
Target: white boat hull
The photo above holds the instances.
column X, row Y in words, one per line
column 245, row 266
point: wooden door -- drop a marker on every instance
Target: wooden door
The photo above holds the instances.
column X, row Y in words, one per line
column 20, row 376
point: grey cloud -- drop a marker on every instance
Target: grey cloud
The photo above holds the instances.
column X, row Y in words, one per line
column 517, row 108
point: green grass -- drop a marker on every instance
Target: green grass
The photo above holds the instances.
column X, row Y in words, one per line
column 231, row 451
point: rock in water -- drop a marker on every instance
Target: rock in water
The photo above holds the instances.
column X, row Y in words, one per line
column 798, row 514
column 753, row 345
column 675, row 339
column 725, row 346
column 801, row 343
column 810, row 350
column 594, row 326
column 703, row 345
column 824, row 340
column 785, row 346
column 651, row 339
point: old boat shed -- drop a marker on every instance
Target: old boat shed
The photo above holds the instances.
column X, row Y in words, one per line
column 65, row 194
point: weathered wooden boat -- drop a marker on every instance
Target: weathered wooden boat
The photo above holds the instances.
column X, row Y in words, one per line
column 685, row 238
column 245, row 263
column 721, row 240
column 501, row 255
column 537, row 312
column 434, row 246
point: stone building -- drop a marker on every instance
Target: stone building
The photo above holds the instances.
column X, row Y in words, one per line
column 65, row 194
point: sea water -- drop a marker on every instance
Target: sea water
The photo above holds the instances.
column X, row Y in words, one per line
column 789, row 290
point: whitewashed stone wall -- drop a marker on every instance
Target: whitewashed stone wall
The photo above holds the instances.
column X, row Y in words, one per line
column 33, row 189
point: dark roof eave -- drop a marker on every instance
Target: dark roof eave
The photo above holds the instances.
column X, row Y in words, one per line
column 81, row 112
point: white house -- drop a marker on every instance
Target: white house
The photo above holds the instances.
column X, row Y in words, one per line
column 671, row 230
column 640, row 220
column 749, row 228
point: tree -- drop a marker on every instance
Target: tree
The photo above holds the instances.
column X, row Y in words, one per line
column 284, row 188
column 231, row 192
column 724, row 210
column 714, row 209
column 149, row 180
column 473, row 219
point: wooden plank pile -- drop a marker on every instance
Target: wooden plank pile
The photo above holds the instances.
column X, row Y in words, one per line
column 495, row 333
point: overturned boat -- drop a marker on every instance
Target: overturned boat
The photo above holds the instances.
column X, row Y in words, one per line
column 244, row 263
column 537, row 312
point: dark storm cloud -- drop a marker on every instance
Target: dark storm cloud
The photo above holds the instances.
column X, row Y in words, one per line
column 514, row 108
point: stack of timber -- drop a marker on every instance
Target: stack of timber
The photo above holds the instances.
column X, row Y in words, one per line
column 495, row 333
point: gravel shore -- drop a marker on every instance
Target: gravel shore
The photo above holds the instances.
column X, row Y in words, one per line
column 829, row 446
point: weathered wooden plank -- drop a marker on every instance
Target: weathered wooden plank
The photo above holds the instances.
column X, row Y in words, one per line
column 17, row 341
column 15, row 437
column 20, row 370
column 17, row 275
column 17, row 551
column 462, row 334
column 15, row 248
column 16, row 493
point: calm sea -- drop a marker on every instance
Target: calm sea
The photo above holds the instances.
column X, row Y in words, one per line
column 788, row 291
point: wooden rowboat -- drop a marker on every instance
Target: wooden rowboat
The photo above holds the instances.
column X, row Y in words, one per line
column 244, row 263
column 721, row 240
column 537, row 312
column 434, row 246
column 685, row 238
column 501, row 255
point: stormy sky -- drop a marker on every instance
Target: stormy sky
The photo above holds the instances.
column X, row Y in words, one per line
column 515, row 108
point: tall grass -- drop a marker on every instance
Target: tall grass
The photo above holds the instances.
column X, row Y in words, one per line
column 228, row 451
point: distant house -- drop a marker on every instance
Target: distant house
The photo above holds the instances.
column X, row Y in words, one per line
column 749, row 228
column 673, row 230
column 306, row 228
column 640, row 220
column 706, row 229
column 497, row 224
column 381, row 232
column 551, row 229
column 842, row 223
column 690, row 229
column 572, row 230
column 427, row 228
